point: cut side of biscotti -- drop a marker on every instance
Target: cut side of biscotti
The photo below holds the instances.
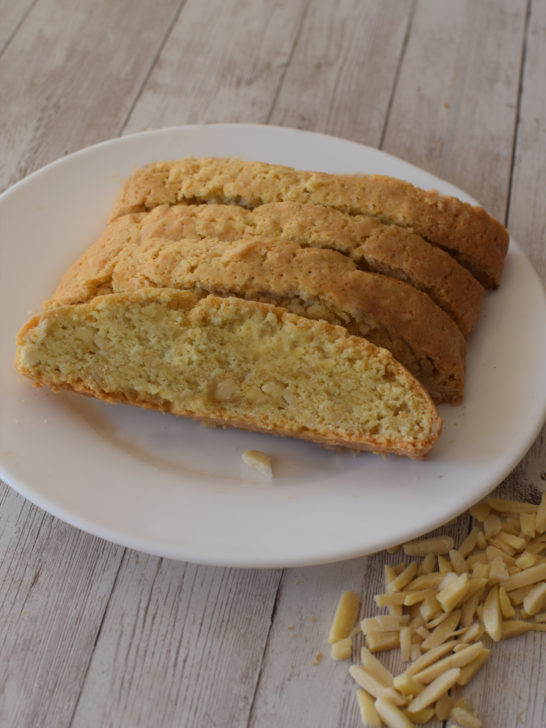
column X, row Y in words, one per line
column 469, row 233
column 231, row 362
column 374, row 246
column 315, row 283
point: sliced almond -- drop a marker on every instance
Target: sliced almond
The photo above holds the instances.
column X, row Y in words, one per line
column 403, row 579
column 458, row 561
column 515, row 627
column 525, row 577
column 468, row 671
column 526, row 560
column 367, row 681
column 426, row 581
column 528, row 524
column 540, row 523
column 498, row 571
column 396, row 610
column 536, row 546
column 345, row 616
column 469, row 544
column 431, row 656
column 368, row 713
column 385, row 600
column 421, row 716
column 405, row 643
column 453, row 594
column 430, row 608
column 394, row 697
column 505, row 604
column 383, row 623
column 492, row 617
column 502, row 546
column 443, row 706
column 461, row 658
column 407, row 685
column 434, row 545
column 258, row 461
column 381, row 641
column 515, row 542
column 480, row 511
column 517, row 596
column 473, row 633
column 342, row 649
column 389, row 575
column 427, row 564
column 414, row 597
column 481, row 571
column 441, row 632
column 469, row 608
column 376, row 668
column 509, row 506
column 435, row 690
column 415, row 651
column 465, row 718
column 492, row 525
column 492, row 552
column 392, row 716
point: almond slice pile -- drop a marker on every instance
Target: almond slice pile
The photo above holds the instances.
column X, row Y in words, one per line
column 443, row 611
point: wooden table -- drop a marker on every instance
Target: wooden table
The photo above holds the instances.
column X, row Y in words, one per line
column 92, row 634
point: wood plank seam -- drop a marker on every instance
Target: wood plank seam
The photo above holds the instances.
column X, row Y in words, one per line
column 397, row 72
column 97, row 637
column 266, row 647
column 16, row 28
column 523, row 65
column 288, row 62
column 152, row 65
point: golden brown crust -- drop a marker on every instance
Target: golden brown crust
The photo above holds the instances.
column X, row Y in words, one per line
column 312, row 282
column 373, row 245
column 32, row 361
column 469, row 233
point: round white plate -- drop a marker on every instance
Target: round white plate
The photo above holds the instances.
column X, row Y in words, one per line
column 174, row 488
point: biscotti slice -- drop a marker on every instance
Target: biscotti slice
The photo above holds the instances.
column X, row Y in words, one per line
column 477, row 240
column 318, row 284
column 232, row 362
column 373, row 245
column 91, row 274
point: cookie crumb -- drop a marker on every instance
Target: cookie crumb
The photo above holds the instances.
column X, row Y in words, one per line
column 258, row 461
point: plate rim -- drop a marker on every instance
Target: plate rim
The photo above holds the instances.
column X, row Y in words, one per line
column 176, row 553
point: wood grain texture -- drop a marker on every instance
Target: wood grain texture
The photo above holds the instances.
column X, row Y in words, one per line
column 454, row 110
column 516, row 664
column 92, row 634
column 68, row 60
column 460, row 79
column 343, row 68
column 12, row 16
column 56, row 582
column 181, row 645
column 527, row 211
column 292, row 685
column 222, row 62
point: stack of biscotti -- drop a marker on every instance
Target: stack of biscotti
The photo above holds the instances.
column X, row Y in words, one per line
column 366, row 257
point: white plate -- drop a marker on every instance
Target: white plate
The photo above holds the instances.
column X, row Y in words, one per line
column 177, row 489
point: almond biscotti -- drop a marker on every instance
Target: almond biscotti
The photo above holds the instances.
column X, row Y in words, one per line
column 315, row 283
column 373, row 245
column 232, row 362
column 474, row 238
